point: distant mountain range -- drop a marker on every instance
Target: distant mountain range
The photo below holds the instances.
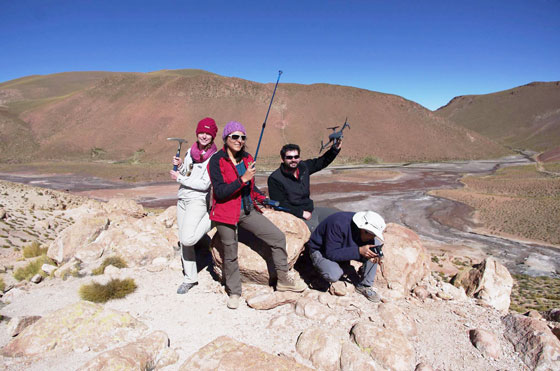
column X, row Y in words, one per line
column 109, row 115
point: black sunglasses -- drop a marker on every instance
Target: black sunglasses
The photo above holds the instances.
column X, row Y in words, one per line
column 291, row 157
column 237, row 136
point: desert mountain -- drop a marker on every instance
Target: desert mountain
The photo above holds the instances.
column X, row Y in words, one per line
column 526, row 117
column 80, row 114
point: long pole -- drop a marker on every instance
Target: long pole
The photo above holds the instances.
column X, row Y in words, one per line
column 267, row 112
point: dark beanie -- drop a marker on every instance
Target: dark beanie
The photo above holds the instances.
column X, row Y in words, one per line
column 207, row 125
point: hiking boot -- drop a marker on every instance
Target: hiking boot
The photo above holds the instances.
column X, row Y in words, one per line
column 290, row 281
column 185, row 287
column 369, row 293
column 233, row 301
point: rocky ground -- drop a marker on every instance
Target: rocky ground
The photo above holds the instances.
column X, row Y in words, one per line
column 422, row 322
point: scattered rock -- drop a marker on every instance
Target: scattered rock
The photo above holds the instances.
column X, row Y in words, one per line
column 488, row 281
column 553, row 315
column 423, row 367
column 406, row 260
column 48, row 268
column 255, row 262
column 169, row 217
column 74, row 327
column 534, row 314
column 311, row 309
column 143, row 354
column 12, row 294
column 125, row 206
column 338, row 288
column 272, row 300
column 450, row 292
column 320, row 347
column 421, row 292
column 394, row 318
column 17, row 324
column 486, row 342
column 533, row 340
column 388, row 347
column 225, row 353
column 36, row 278
column 73, row 238
column 2, row 214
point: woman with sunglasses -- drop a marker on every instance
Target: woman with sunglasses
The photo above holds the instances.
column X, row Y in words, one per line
column 192, row 205
column 232, row 172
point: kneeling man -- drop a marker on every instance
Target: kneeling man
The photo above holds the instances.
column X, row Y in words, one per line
column 346, row 236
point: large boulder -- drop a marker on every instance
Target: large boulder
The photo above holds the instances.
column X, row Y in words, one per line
column 406, row 260
column 225, row 353
column 533, row 340
column 147, row 353
column 386, row 346
column 320, row 347
column 76, row 327
column 488, row 281
column 85, row 231
column 255, row 259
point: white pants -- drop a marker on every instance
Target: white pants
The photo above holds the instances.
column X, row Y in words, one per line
column 194, row 222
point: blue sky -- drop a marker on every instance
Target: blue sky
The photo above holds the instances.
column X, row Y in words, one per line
column 427, row 51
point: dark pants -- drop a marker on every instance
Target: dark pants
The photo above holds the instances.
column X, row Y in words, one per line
column 318, row 215
column 262, row 228
column 331, row 270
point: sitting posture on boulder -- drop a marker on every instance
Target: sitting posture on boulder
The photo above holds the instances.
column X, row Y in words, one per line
column 289, row 184
column 232, row 172
column 346, row 236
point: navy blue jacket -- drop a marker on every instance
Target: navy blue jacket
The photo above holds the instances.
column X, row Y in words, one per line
column 338, row 238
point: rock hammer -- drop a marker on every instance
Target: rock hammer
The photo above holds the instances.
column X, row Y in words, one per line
column 180, row 141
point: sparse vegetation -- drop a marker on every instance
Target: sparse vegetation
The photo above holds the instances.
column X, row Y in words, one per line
column 32, row 268
column 114, row 289
column 371, row 160
column 33, row 250
column 538, row 293
column 2, row 284
column 116, row 261
column 517, row 201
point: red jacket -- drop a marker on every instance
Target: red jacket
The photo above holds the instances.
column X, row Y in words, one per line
column 226, row 188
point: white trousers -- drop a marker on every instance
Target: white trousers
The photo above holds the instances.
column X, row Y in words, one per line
column 194, row 222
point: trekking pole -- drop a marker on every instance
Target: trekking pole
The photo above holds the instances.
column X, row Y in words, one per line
column 266, row 118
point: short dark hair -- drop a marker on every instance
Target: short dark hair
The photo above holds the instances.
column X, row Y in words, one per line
column 289, row 147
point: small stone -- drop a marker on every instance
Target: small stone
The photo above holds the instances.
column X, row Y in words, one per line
column 37, row 278
column 423, row 367
column 486, row 342
column 421, row 292
column 48, row 268
column 3, row 214
column 338, row 288
column 534, row 314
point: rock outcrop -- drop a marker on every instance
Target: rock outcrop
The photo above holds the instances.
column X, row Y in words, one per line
column 488, row 281
column 255, row 262
column 77, row 327
column 405, row 262
column 537, row 345
column 148, row 353
column 225, row 353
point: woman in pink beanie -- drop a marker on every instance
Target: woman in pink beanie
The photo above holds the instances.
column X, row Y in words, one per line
column 192, row 207
column 234, row 204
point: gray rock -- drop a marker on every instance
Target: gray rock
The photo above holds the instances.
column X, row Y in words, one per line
column 486, row 342
column 17, row 324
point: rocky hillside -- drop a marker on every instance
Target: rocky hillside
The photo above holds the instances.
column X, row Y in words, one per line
column 422, row 322
column 122, row 115
column 526, row 117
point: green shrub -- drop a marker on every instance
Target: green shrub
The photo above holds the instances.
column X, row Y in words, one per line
column 371, row 160
column 2, row 284
column 31, row 269
column 34, row 249
column 115, row 289
column 116, row 261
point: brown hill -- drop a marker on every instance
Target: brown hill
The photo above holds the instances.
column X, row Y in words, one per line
column 526, row 117
column 71, row 115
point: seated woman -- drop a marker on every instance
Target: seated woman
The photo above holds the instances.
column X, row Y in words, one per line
column 232, row 172
column 192, row 207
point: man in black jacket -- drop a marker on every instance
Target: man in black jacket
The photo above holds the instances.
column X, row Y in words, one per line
column 289, row 184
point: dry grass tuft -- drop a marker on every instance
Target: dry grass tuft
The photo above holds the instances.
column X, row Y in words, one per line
column 116, row 261
column 2, row 284
column 538, row 293
column 33, row 250
column 31, row 269
column 115, row 289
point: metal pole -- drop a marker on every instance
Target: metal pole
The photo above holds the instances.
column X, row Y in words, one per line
column 266, row 118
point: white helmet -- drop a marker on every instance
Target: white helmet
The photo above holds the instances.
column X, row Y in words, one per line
column 371, row 222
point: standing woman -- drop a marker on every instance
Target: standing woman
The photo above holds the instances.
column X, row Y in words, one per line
column 192, row 205
column 232, row 172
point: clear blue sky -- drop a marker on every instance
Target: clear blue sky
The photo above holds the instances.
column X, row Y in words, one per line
column 426, row 51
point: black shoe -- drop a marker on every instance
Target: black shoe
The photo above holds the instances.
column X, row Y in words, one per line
column 369, row 293
column 185, row 287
